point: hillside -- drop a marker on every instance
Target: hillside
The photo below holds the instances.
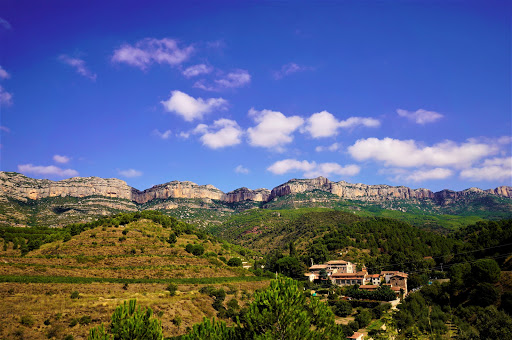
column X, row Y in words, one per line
column 109, row 261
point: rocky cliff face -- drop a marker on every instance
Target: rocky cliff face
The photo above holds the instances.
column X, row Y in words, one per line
column 22, row 188
column 244, row 194
column 176, row 189
column 349, row 191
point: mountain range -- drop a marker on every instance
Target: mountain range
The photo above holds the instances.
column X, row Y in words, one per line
column 42, row 198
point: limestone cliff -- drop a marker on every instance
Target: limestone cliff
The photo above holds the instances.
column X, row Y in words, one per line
column 176, row 189
column 244, row 194
column 20, row 187
column 349, row 191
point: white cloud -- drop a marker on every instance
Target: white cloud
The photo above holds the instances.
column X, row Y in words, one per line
column 196, row 70
column 491, row 170
column 5, row 24
column 78, row 65
column 130, row 173
column 407, row 153
column 274, row 129
column 163, row 135
column 234, row 79
column 237, row 78
column 5, row 97
column 241, row 170
column 324, row 124
column 355, row 121
column 61, row 159
column 223, row 132
column 50, row 170
column 420, row 116
column 190, row 108
column 423, row 175
column 333, row 147
column 312, row 169
column 150, row 50
column 4, row 129
column 290, row 68
column 4, row 74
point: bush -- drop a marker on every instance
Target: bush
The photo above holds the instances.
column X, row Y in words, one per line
column 75, row 295
column 27, row 320
column 235, row 262
column 172, row 288
column 85, row 320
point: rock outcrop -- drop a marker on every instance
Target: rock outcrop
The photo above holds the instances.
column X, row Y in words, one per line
column 350, row 191
column 176, row 189
column 245, row 194
column 20, row 187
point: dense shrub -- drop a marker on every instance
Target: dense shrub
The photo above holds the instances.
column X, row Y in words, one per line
column 235, row 262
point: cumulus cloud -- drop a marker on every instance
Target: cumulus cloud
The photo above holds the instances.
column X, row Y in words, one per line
column 78, row 65
column 499, row 168
column 333, row 147
column 162, row 135
column 237, row 78
column 420, row 116
column 4, row 74
column 313, row 169
column 408, row 153
column 5, row 97
column 241, row 170
column 130, row 173
column 50, row 170
column 222, row 133
column 61, row 159
column 324, row 124
column 5, row 24
column 197, row 70
column 423, row 175
column 150, row 50
column 190, row 108
column 274, row 129
column 290, row 68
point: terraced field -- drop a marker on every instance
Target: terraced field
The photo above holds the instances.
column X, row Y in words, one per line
column 65, row 288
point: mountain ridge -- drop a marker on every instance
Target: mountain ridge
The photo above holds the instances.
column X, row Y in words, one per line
column 21, row 187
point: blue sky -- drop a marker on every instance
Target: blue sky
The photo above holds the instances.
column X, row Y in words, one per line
column 253, row 93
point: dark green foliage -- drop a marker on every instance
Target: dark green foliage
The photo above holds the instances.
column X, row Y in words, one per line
column 130, row 322
column 484, row 294
column 172, row 238
column 75, row 295
column 291, row 267
column 27, row 320
column 342, row 308
column 383, row 293
column 211, row 330
column 195, row 249
column 172, row 288
column 363, row 318
column 485, row 270
column 235, row 262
